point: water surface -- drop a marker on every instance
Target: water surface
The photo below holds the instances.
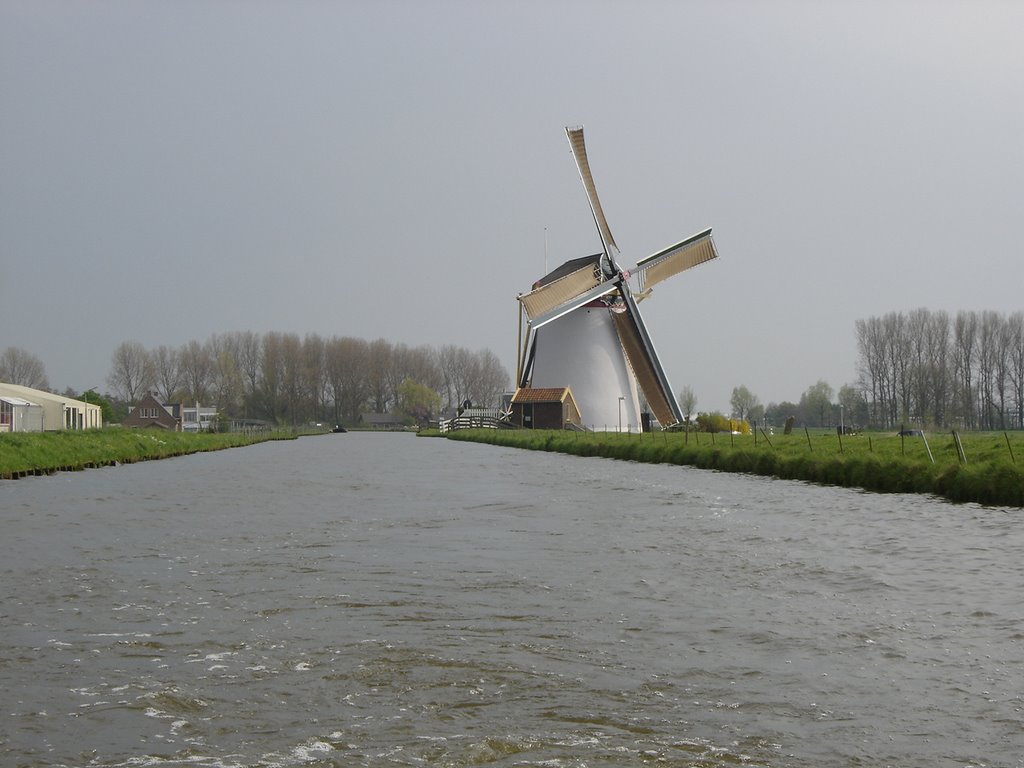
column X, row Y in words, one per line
column 367, row 599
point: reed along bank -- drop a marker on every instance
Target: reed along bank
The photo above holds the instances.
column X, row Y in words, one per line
column 40, row 453
column 986, row 467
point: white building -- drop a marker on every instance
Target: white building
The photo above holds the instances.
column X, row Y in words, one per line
column 23, row 409
column 198, row 418
column 17, row 415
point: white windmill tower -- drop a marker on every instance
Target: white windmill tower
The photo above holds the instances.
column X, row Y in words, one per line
column 585, row 332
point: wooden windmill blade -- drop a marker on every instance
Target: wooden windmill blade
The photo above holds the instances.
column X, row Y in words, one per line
column 686, row 254
column 643, row 359
column 579, row 151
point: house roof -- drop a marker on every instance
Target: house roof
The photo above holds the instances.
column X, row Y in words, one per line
column 150, row 400
column 163, row 418
column 42, row 397
column 542, row 395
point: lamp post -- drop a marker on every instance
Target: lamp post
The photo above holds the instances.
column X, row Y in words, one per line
column 621, row 398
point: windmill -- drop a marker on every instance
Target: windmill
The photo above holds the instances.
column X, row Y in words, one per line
column 584, row 329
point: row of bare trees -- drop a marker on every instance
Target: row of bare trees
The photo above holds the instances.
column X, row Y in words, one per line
column 286, row 379
column 922, row 366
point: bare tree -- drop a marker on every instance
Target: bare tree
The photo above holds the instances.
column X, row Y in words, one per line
column 314, row 374
column 853, row 409
column 1002, row 370
column 131, row 371
column 422, row 366
column 448, row 363
column 1015, row 323
column 196, row 371
column 937, row 362
column 397, row 370
column 250, row 352
column 988, row 334
column 271, row 375
column 917, row 371
column 291, row 376
column 816, row 404
column 687, row 401
column 18, row 366
column 225, row 375
column 334, row 365
column 743, row 402
column 965, row 335
column 897, row 357
column 475, row 376
column 466, row 375
column 490, row 378
column 346, row 369
column 378, row 374
column 868, row 365
column 166, row 362
column 967, row 372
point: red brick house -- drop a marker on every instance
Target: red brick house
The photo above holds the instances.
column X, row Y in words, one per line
column 150, row 413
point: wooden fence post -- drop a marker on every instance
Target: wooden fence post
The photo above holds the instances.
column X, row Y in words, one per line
column 960, row 455
column 926, row 447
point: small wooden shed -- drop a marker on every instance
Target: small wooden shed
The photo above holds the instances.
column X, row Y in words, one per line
column 544, row 408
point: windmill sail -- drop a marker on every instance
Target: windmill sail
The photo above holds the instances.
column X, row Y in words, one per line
column 643, row 359
column 579, row 151
column 675, row 259
column 556, row 289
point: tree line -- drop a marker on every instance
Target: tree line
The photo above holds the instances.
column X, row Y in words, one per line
column 815, row 408
column 285, row 379
column 925, row 368
column 921, row 367
column 965, row 370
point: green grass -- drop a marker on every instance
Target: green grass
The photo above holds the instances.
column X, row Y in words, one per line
column 881, row 462
column 25, row 453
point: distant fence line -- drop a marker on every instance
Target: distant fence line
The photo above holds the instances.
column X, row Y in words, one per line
column 476, row 420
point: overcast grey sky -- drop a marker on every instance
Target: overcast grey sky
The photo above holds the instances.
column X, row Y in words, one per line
column 170, row 170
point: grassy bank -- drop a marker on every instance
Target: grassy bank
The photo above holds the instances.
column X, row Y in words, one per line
column 991, row 470
column 34, row 453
